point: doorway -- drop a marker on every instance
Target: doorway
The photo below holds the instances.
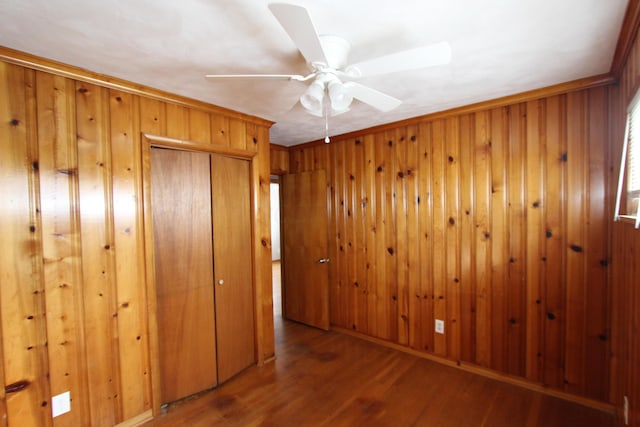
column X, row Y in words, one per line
column 276, row 254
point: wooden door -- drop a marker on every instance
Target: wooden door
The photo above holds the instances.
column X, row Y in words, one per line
column 232, row 265
column 305, row 248
column 181, row 210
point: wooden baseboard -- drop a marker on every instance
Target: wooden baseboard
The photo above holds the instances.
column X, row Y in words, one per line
column 138, row 420
column 485, row 372
column 268, row 360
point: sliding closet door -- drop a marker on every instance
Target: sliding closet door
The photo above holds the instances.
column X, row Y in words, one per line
column 181, row 209
column 233, row 264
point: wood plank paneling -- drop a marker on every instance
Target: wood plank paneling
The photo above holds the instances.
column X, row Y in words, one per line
column 261, row 221
column 279, row 159
column 369, row 221
column 574, row 345
column 555, row 231
column 452, row 237
column 73, row 240
column 499, row 236
column 199, row 126
column 534, row 210
column 219, row 130
column 467, row 280
column 237, row 134
column 597, row 260
column 411, row 307
column 624, row 296
column 425, row 202
column 401, row 244
column 439, row 224
column 515, row 285
column 360, row 207
column 177, row 121
column 22, row 300
column 129, row 240
column 98, row 262
column 490, row 220
column 62, row 256
column 482, row 213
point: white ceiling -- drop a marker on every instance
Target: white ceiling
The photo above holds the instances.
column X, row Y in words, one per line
column 499, row 47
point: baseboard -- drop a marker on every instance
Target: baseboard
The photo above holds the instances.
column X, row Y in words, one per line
column 137, row 420
column 268, row 360
column 478, row 370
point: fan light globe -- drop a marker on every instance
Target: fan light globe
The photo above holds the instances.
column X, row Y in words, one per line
column 312, row 98
column 340, row 96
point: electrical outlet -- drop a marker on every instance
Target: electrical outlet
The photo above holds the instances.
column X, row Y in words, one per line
column 60, row 404
column 439, row 326
column 626, row 411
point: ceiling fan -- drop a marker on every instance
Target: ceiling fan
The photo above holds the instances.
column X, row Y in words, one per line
column 332, row 75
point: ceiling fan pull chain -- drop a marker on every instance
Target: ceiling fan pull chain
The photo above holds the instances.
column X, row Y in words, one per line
column 326, row 119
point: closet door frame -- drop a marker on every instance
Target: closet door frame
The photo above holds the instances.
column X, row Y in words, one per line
column 149, row 141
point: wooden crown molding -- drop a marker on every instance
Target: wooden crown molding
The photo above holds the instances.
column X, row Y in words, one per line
column 628, row 32
column 278, row 147
column 42, row 64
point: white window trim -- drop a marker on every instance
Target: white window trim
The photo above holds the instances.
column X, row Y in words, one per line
column 623, row 169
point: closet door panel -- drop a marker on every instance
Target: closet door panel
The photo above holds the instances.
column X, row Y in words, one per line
column 233, row 265
column 181, row 209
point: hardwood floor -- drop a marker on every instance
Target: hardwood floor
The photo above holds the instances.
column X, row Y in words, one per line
column 331, row 379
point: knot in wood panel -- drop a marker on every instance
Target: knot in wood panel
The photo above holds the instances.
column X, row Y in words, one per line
column 17, row 386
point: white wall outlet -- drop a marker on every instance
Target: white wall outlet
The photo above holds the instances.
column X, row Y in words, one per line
column 60, row 404
column 626, row 411
column 439, row 326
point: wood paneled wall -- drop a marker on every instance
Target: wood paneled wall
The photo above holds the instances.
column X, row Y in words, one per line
column 73, row 302
column 495, row 221
column 279, row 159
column 625, row 282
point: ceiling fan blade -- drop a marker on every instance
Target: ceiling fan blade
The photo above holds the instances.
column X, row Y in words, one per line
column 376, row 99
column 261, row 76
column 412, row 59
column 297, row 23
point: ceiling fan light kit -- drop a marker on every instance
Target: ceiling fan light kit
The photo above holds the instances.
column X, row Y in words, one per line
column 327, row 57
column 326, row 82
column 312, row 98
column 340, row 96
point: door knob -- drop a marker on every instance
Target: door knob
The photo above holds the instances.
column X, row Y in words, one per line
column 220, row 282
column 323, row 260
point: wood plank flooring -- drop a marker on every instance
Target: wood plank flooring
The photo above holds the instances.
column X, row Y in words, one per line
column 330, row 379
